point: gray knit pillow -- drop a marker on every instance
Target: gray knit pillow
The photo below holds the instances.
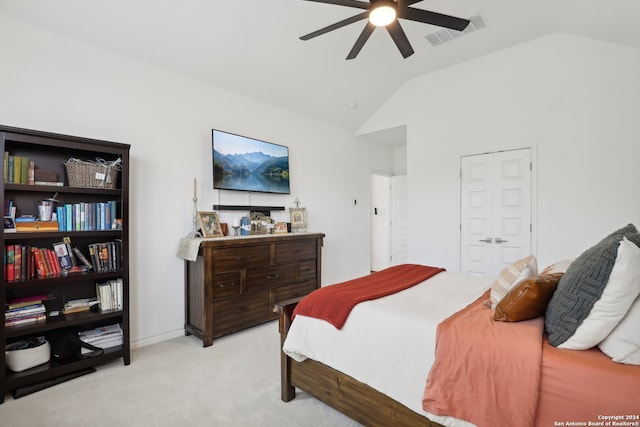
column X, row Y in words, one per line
column 581, row 286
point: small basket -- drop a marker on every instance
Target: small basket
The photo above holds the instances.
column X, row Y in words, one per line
column 26, row 354
column 93, row 174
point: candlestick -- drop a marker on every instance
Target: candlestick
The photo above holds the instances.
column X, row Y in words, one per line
column 194, row 188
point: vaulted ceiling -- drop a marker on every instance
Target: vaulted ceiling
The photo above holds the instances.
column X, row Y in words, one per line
column 253, row 46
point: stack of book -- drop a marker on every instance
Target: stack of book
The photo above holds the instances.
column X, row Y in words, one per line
column 109, row 294
column 79, row 305
column 103, row 337
column 18, row 169
column 21, row 311
column 106, row 256
column 87, row 216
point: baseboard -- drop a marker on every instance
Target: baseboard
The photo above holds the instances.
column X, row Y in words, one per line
column 143, row 342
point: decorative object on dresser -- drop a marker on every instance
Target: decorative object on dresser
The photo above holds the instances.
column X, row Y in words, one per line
column 50, row 279
column 234, row 282
column 209, row 224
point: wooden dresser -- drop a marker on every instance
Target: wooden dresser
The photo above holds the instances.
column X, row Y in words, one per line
column 235, row 281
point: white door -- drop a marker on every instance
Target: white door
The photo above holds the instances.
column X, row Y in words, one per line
column 380, row 222
column 399, row 220
column 495, row 203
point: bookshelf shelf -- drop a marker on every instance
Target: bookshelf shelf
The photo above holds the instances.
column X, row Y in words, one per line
column 48, row 152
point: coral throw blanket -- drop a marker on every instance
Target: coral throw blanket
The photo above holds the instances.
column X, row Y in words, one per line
column 334, row 303
column 486, row 372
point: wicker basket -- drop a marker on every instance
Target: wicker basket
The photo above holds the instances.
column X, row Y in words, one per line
column 92, row 174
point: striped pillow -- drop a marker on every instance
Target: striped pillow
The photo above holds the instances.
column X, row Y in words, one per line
column 510, row 276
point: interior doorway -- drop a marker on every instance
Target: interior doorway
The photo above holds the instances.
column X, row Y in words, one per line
column 388, row 220
column 380, row 222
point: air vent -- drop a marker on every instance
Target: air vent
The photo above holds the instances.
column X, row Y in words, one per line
column 446, row 35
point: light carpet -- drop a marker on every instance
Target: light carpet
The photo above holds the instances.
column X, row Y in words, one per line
column 235, row 382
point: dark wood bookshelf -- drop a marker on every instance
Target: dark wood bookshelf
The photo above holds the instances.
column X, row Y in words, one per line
column 50, row 151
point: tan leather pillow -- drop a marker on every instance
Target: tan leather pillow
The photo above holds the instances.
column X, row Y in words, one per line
column 528, row 299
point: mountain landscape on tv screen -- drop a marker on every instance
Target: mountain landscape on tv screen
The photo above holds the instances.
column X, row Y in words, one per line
column 255, row 171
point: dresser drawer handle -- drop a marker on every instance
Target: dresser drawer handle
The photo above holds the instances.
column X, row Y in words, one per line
column 226, row 285
column 243, row 258
column 304, row 270
column 273, row 276
column 242, row 309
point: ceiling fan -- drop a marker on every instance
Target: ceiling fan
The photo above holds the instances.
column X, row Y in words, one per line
column 385, row 13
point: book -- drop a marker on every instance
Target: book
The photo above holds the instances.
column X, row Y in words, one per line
column 32, row 174
column 25, row 311
column 17, row 169
column 83, row 259
column 62, row 253
column 50, row 183
column 28, row 300
column 23, row 320
column 17, row 258
column 10, row 167
column 37, row 226
column 10, row 262
column 24, row 170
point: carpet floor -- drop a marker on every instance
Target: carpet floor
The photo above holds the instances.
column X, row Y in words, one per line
column 235, row 382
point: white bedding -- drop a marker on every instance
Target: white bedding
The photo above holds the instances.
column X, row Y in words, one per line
column 389, row 343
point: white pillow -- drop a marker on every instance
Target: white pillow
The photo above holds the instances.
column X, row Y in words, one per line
column 558, row 267
column 623, row 343
column 621, row 290
column 510, row 276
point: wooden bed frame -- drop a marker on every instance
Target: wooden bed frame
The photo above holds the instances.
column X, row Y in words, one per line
column 342, row 392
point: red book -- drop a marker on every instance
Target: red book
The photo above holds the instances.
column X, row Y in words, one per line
column 41, row 266
column 52, row 261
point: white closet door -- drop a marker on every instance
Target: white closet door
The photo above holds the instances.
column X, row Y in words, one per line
column 495, row 204
column 512, row 207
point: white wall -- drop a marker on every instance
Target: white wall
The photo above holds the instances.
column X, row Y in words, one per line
column 575, row 101
column 51, row 83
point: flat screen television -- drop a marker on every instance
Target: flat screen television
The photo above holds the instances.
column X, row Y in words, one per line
column 246, row 164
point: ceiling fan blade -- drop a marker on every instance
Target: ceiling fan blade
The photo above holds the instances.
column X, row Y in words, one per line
column 364, row 36
column 349, row 3
column 400, row 39
column 335, row 26
column 433, row 18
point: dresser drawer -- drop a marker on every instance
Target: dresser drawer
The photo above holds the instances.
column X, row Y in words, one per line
column 307, row 270
column 232, row 259
column 226, row 285
column 268, row 277
column 283, row 293
column 240, row 312
column 294, row 251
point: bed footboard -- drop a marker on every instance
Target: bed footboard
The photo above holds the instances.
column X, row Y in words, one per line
column 343, row 393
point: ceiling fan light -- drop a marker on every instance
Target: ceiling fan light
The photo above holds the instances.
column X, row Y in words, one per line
column 383, row 15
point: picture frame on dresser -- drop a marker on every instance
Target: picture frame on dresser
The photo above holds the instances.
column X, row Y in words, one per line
column 298, row 219
column 209, row 224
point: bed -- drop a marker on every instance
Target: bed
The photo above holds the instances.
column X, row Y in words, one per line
column 383, row 366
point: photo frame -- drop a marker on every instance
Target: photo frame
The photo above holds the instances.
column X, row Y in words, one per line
column 280, row 228
column 210, row 224
column 9, row 224
column 298, row 219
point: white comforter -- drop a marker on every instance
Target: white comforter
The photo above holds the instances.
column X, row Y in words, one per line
column 389, row 343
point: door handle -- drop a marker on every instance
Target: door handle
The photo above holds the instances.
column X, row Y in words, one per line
column 499, row 240
column 487, row 240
